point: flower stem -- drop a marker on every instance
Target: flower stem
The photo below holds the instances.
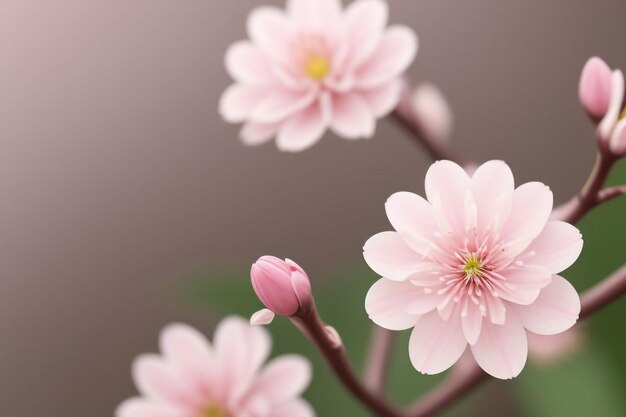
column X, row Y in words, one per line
column 309, row 322
column 592, row 194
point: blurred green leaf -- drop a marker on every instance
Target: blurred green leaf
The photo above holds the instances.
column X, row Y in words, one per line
column 582, row 385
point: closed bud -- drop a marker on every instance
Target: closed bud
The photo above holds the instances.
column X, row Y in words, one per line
column 432, row 112
column 594, row 89
column 282, row 286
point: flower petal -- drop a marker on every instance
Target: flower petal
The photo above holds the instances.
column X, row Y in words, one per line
column 446, row 189
column 304, row 129
column 364, row 22
column 191, row 353
column 493, row 186
column 240, row 350
column 501, row 350
column 246, row 63
column 253, row 133
column 382, row 100
column 435, row 345
column 139, row 407
column 239, row 101
column 387, row 303
column 555, row 310
column 294, row 408
column 282, row 103
column 160, row 381
column 472, row 323
column 269, row 28
column 532, row 205
column 284, row 378
column 389, row 256
column 314, row 14
column 394, row 54
column 556, row 248
column 351, row 116
column 412, row 217
column 523, row 284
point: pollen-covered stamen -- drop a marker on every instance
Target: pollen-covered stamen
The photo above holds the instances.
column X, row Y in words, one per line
column 214, row 410
column 313, row 54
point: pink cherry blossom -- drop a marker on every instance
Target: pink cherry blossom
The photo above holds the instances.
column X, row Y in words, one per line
column 475, row 263
column 313, row 67
column 432, row 111
column 228, row 378
column 546, row 350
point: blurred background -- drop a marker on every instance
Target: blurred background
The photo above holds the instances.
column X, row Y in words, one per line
column 127, row 203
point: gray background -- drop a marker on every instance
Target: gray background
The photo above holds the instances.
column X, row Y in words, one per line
column 118, row 178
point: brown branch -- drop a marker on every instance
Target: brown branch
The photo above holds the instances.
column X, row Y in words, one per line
column 309, row 322
column 603, row 293
column 592, row 194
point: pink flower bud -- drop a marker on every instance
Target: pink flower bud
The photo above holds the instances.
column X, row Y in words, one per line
column 618, row 139
column 607, row 125
column 282, row 286
column 594, row 90
column 432, row 111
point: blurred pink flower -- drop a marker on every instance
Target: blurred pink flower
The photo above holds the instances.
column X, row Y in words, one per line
column 192, row 378
column 475, row 263
column 314, row 67
column 432, row 111
column 549, row 349
column 280, row 285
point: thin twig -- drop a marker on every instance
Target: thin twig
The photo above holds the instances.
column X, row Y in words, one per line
column 610, row 193
column 604, row 293
column 591, row 194
column 377, row 364
column 309, row 322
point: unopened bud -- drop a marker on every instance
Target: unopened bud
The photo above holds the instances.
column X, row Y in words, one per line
column 594, row 88
column 282, row 286
column 432, row 111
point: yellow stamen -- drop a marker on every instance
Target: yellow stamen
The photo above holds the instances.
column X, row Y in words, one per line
column 317, row 67
column 214, row 410
column 472, row 267
column 623, row 115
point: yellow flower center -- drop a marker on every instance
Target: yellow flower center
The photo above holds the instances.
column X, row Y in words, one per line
column 213, row 410
column 317, row 67
column 623, row 115
column 472, row 267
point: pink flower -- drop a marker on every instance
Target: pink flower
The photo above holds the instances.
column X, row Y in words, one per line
column 193, row 378
column 546, row 350
column 315, row 67
column 282, row 286
column 474, row 264
column 432, row 112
